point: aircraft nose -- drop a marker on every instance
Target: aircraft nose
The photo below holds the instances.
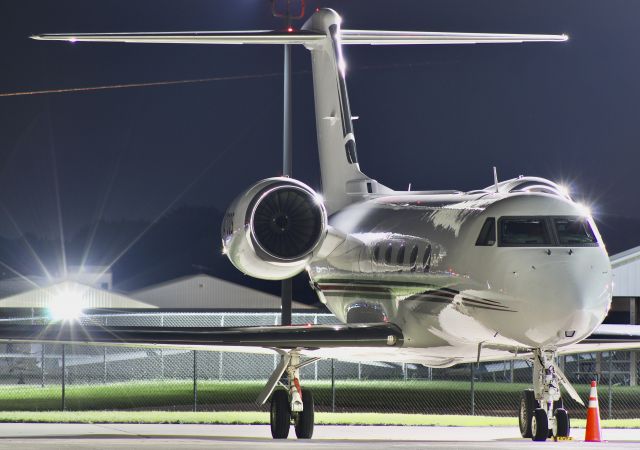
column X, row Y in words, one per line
column 563, row 300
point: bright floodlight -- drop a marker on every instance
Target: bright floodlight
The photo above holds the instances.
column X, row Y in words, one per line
column 66, row 305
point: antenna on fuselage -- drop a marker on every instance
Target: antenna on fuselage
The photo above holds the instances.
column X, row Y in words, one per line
column 495, row 178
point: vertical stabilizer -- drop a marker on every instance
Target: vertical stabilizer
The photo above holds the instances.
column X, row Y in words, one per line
column 342, row 180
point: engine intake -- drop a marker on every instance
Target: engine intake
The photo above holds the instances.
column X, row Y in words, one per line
column 272, row 230
column 287, row 222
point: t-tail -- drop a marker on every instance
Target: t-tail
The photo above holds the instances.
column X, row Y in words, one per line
column 342, row 180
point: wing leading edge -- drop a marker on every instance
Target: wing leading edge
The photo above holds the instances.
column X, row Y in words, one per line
column 282, row 337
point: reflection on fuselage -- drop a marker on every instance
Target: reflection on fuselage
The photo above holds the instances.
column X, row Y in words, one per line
column 543, row 279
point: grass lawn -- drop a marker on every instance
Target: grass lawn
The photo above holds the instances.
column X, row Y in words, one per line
column 413, row 397
column 244, row 417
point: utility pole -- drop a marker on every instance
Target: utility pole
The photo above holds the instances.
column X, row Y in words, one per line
column 287, row 9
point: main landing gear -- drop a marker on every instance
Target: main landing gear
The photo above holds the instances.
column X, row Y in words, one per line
column 542, row 414
column 290, row 403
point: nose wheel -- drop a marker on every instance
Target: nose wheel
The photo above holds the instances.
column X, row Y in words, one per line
column 562, row 426
column 542, row 414
column 527, row 406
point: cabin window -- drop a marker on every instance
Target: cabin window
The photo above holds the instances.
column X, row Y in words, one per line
column 524, row 232
column 387, row 254
column 413, row 257
column 487, row 235
column 400, row 255
column 574, row 231
column 376, row 253
column 426, row 259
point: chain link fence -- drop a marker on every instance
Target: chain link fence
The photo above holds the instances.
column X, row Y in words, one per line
column 82, row 377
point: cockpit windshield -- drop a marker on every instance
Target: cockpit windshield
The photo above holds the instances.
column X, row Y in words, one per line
column 574, row 231
column 524, row 231
column 545, row 231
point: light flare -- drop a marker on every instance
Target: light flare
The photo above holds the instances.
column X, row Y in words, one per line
column 66, row 305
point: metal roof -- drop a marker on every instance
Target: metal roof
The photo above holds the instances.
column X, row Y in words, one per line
column 626, row 273
column 207, row 292
column 625, row 257
column 87, row 297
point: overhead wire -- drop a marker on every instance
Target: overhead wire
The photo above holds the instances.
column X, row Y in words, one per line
column 194, row 80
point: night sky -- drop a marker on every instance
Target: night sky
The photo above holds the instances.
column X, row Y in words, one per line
column 438, row 117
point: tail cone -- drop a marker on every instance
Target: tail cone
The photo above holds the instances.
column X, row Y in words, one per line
column 592, row 433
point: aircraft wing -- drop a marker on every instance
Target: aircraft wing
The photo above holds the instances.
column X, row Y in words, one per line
column 607, row 337
column 371, row 37
column 243, row 339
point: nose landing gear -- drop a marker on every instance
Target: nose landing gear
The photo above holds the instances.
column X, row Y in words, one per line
column 542, row 414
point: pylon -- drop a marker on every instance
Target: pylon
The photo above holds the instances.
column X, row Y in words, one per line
column 592, row 433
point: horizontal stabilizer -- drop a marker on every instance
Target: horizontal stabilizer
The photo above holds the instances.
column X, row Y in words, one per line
column 192, row 37
column 304, row 37
column 374, row 37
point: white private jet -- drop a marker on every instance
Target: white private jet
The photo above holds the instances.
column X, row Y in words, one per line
column 515, row 270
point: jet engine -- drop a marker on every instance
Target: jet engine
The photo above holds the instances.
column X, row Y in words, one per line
column 272, row 230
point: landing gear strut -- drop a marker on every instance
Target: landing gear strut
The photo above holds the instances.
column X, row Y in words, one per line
column 290, row 402
column 542, row 414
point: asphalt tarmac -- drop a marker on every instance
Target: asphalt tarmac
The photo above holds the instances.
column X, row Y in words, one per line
column 23, row 436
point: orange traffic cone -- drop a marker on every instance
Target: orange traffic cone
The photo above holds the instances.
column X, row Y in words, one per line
column 592, row 433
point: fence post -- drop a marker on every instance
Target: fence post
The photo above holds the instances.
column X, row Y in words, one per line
column 315, row 364
column 610, row 364
column 220, row 365
column 64, row 374
column 333, row 386
column 42, row 363
column 473, row 390
column 195, row 381
column 104, row 365
column 511, row 367
column 404, row 371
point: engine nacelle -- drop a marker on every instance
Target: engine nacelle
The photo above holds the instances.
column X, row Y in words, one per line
column 272, row 230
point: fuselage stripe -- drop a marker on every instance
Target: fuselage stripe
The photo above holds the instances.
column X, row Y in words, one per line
column 334, row 287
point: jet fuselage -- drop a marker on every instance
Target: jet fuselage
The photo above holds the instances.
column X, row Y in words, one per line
column 415, row 260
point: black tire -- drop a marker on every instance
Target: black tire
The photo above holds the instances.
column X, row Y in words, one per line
column 563, row 425
column 558, row 404
column 540, row 425
column 280, row 414
column 304, row 420
column 527, row 406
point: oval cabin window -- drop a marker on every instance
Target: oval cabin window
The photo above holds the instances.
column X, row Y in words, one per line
column 426, row 259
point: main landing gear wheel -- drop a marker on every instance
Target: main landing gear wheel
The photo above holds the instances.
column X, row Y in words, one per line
column 280, row 414
column 527, row 406
column 540, row 425
column 562, row 425
column 303, row 420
